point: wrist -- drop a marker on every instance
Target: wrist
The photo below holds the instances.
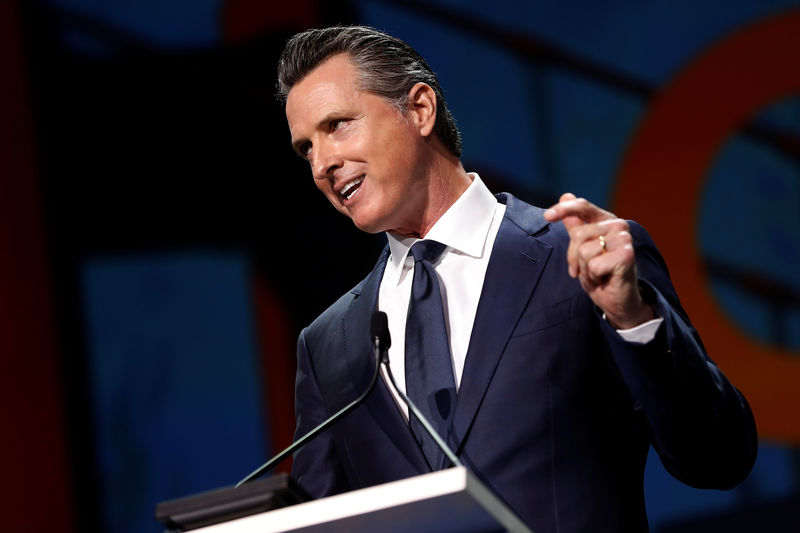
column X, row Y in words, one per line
column 638, row 310
column 636, row 317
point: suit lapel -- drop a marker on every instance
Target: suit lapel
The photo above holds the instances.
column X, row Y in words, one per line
column 361, row 365
column 515, row 266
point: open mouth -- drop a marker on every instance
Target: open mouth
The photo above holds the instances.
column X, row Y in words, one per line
column 351, row 187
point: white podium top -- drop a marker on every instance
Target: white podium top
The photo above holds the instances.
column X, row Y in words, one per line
column 450, row 500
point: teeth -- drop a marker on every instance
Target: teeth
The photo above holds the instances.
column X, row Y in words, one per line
column 350, row 188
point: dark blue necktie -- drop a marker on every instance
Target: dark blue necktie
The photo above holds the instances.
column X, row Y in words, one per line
column 429, row 372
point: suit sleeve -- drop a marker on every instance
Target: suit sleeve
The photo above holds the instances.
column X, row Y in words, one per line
column 316, row 466
column 700, row 424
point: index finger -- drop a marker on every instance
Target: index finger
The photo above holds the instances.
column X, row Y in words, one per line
column 581, row 208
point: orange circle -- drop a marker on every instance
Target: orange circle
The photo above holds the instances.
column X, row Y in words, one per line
column 669, row 160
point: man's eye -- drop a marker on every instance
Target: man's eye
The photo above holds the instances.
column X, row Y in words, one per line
column 304, row 149
column 336, row 124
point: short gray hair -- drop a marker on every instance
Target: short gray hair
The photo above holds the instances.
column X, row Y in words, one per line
column 388, row 67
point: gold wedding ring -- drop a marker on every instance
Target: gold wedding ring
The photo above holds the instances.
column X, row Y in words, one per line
column 603, row 244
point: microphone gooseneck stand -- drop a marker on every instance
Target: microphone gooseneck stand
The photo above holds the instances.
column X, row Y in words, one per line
column 381, row 341
column 305, row 439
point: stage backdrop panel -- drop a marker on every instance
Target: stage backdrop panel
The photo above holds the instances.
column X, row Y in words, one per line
column 174, row 377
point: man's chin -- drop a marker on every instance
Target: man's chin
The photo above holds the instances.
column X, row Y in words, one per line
column 368, row 226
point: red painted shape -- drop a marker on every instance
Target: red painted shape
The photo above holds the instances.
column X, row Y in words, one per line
column 668, row 162
column 244, row 19
column 277, row 366
column 33, row 454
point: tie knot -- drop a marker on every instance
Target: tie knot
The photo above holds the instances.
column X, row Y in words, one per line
column 427, row 250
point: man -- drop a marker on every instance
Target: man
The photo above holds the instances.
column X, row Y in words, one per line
column 568, row 348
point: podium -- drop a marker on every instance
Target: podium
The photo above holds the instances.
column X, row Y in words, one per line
column 451, row 500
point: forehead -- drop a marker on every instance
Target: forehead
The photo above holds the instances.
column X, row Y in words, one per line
column 330, row 85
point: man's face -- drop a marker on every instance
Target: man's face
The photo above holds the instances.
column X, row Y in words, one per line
column 366, row 156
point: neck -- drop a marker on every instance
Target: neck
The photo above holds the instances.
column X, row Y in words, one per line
column 447, row 181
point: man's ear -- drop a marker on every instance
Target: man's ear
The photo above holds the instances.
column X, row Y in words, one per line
column 422, row 107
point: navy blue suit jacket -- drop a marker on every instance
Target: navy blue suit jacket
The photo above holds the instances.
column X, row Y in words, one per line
column 555, row 412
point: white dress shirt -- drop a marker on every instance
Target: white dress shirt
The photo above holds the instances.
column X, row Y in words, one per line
column 468, row 229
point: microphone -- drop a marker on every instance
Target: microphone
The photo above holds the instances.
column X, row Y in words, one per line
column 380, row 344
column 379, row 330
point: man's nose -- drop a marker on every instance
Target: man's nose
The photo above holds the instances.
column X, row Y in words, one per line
column 325, row 159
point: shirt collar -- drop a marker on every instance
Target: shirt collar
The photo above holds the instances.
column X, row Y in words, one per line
column 463, row 227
